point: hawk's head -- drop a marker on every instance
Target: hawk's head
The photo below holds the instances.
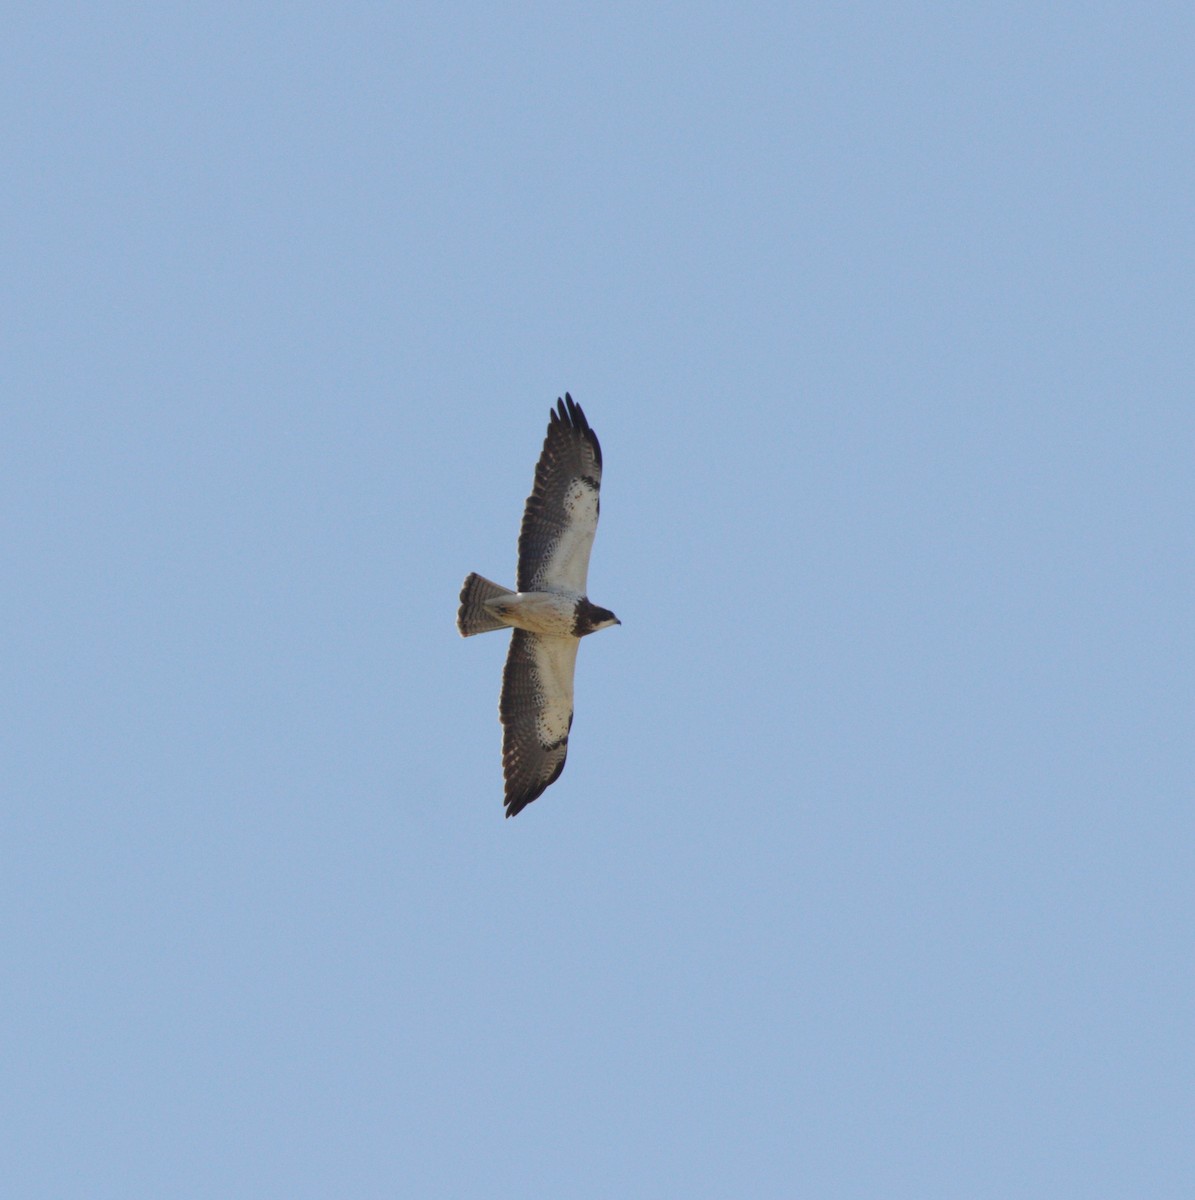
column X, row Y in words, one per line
column 589, row 618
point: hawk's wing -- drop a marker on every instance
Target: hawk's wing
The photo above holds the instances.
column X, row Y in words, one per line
column 537, row 713
column 562, row 511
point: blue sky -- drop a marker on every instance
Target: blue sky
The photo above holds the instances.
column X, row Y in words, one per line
column 870, row 874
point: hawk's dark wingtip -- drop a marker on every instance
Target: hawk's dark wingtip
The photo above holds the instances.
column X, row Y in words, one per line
column 516, row 806
column 570, row 414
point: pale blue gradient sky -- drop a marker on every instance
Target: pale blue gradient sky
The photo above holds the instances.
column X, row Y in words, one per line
column 870, row 874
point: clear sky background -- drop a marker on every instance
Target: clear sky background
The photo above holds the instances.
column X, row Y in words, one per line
column 871, row 871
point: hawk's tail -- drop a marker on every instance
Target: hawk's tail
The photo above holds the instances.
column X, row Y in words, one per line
column 472, row 616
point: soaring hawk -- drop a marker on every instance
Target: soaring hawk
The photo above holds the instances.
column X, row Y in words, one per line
column 550, row 612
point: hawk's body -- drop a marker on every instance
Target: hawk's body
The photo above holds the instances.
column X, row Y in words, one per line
column 550, row 612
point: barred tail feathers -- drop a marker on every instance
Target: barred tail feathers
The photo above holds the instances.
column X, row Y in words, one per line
column 472, row 616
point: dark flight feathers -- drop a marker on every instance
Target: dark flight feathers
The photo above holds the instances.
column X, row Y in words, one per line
column 571, row 452
column 537, row 677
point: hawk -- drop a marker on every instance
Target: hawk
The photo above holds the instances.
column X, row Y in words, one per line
column 550, row 612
